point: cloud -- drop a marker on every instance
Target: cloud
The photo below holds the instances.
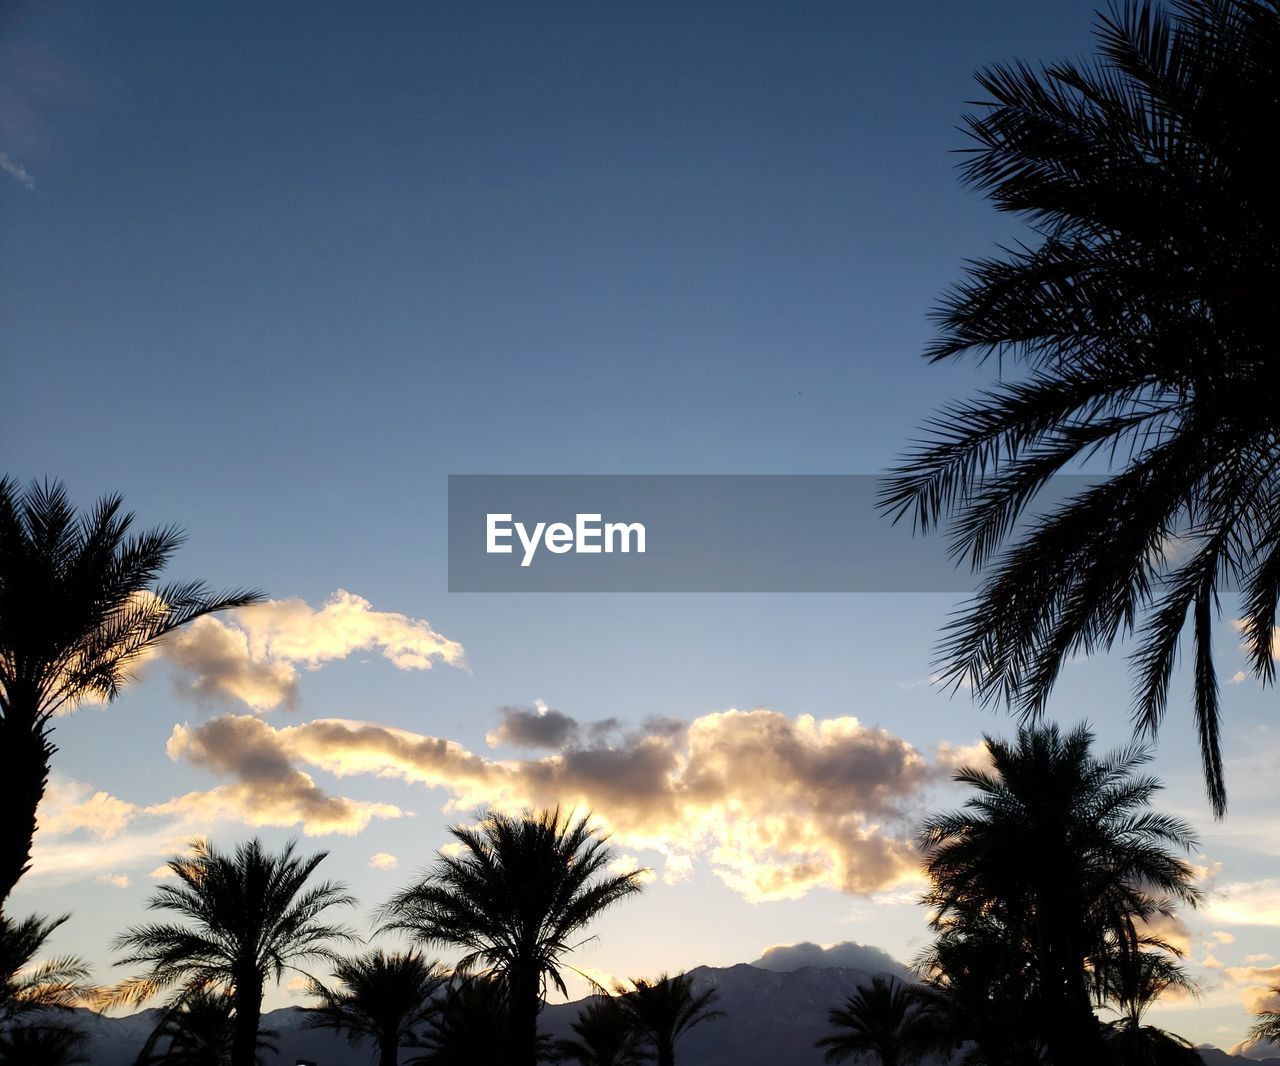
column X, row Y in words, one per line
column 1169, row 928
column 539, row 726
column 268, row 789
column 73, row 807
column 1245, row 903
column 1259, row 986
column 776, row 806
column 252, row 655
column 845, row 955
column 383, row 860
column 115, row 880
column 15, row 170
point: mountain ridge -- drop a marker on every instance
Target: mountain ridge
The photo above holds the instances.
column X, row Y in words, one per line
column 772, row 1017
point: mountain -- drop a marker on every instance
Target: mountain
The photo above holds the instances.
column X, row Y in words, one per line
column 772, row 1017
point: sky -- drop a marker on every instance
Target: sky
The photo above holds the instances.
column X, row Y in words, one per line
column 273, row 272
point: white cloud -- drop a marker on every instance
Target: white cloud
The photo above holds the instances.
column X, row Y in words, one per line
column 383, row 860
column 72, row 806
column 17, row 171
column 845, row 955
column 115, row 880
column 252, row 655
column 1245, row 903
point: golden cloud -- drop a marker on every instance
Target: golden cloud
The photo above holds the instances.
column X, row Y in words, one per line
column 252, row 655
column 776, row 806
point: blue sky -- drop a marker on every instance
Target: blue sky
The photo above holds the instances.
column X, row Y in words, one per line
column 274, row 273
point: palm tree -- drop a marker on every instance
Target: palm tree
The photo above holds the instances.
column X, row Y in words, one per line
column 1137, row 329
column 1058, row 857
column 198, row 1031
column 250, row 916
column 1130, row 984
column 514, row 898
column 28, row 987
column 664, row 1010
column 1267, row 1027
column 980, row 994
column 602, row 1036
column 878, row 1023
column 42, row 1045
column 473, row 1025
column 79, row 605
column 385, row 999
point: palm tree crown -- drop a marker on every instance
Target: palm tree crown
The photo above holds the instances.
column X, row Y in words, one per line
column 1267, row 1027
column 28, row 987
column 383, row 999
column 879, row 1023
column 514, row 898
column 79, row 605
column 664, row 1010
column 251, row 916
column 602, row 1036
column 1143, row 324
column 1057, row 861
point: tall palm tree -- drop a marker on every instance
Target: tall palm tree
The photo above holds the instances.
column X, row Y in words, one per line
column 514, row 898
column 1058, row 854
column 1136, row 328
column 79, row 604
column 602, row 1036
column 198, row 1031
column 28, row 987
column 250, row 916
column 383, row 999
column 879, row 1023
column 662, row 1011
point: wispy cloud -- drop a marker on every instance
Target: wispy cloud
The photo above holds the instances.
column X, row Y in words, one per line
column 17, row 171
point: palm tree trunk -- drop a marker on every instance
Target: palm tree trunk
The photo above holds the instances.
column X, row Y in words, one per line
column 666, row 1053
column 24, row 772
column 526, row 1001
column 389, row 1053
column 244, row 1040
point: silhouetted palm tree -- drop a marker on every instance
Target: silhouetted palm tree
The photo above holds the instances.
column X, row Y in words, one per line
column 982, row 995
column 29, row 987
column 473, row 1025
column 1267, row 1027
column 1131, row 983
column 1058, row 856
column 383, row 999
column 879, row 1023
column 663, row 1010
column 603, row 1036
column 251, row 916
column 78, row 605
column 514, row 898
column 198, row 1031
column 42, row 1045
column 1142, row 324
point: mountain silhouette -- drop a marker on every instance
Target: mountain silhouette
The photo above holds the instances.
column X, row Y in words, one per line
column 772, row 1017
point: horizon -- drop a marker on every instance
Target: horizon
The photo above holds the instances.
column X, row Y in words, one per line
column 274, row 275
